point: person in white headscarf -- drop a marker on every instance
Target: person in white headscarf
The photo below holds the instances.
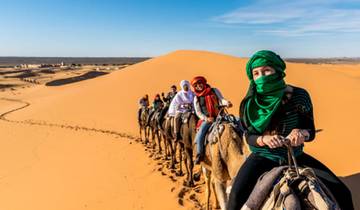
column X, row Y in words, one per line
column 181, row 103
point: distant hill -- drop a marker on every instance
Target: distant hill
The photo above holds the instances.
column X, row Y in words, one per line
column 12, row 61
column 324, row 60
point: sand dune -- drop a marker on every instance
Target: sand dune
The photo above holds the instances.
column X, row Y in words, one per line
column 110, row 102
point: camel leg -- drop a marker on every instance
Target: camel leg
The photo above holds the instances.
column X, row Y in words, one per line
column 172, row 154
column 181, row 173
column 169, row 143
column 153, row 141
column 220, row 193
column 159, row 140
column 165, row 147
column 145, row 135
column 147, row 131
column 175, row 150
column 169, row 148
column 154, row 138
column 207, row 175
column 189, row 167
column 140, row 132
column 216, row 204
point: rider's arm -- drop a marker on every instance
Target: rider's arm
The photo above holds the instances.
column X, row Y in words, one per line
column 198, row 112
column 303, row 107
column 221, row 98
column 307, row 117
column 255, row 140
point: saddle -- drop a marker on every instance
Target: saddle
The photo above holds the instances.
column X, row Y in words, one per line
column 290, row 187
column 217, row 128
column 185, row 117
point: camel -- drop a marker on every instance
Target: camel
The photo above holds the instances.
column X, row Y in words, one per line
column 154, row 128
column 225, row 152
column 166, row 135
column 143, row 126
column 172, row 145
column 188, row 131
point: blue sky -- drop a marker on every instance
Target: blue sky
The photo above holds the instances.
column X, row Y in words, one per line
column 297, row 28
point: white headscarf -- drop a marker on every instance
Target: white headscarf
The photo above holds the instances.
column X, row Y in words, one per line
column 181, row 98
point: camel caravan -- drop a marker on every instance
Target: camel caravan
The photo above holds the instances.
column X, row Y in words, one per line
column 251, row 161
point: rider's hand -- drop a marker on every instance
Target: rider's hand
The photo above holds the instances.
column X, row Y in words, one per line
column 273, row 141
column 229, row 105
column 296, row 137
column 209, row 119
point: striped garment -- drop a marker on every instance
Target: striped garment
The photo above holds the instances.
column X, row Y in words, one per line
column 295, row 112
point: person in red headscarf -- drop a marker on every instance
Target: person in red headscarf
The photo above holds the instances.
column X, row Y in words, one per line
column 206, row 103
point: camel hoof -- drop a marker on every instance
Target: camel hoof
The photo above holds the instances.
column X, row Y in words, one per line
column 188, row 183
column 179, row 173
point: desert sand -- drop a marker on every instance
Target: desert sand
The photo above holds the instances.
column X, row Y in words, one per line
column 67, row 147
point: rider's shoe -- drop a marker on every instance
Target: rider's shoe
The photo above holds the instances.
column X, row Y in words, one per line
column 199, row 158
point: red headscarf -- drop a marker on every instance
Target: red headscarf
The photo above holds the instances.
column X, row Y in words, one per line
column 211, row 99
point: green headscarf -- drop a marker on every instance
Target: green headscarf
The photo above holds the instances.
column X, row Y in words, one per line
column 265, row 94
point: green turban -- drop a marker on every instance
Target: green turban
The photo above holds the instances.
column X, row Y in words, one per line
column 265, row 58
column 265, row 94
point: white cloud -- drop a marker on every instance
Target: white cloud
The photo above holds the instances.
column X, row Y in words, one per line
column 293, row 18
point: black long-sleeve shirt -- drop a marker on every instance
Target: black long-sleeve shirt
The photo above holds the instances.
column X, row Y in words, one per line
column 296, row 111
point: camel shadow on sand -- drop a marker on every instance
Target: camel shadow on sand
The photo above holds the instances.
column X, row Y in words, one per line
column 353, row 183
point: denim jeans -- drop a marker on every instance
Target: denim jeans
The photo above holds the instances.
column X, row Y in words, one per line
column 200, row 136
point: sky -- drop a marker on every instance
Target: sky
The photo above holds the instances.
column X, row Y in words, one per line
column 117, row 28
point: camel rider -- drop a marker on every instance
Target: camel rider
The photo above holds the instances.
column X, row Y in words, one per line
column 206, row 104
column 144, row 104
column 144, row 101
column 167, row 100
column 170, row 95
column 181, row 103
column 156, row 105
column 271, row 111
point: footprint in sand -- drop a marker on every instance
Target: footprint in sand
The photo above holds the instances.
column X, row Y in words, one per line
column 182, row 192
column 172, row 179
